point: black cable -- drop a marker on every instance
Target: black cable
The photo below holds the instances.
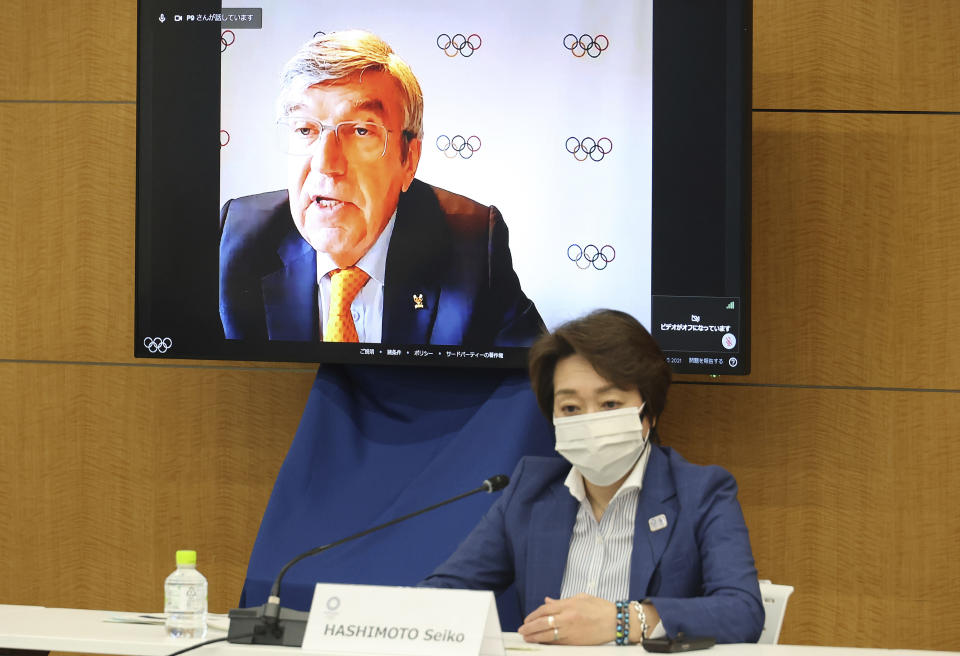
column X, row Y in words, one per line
column 208, row 642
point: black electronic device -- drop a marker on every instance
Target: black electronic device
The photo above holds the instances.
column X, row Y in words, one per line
column 614, row 138
column 680, row 643
column 271, row 624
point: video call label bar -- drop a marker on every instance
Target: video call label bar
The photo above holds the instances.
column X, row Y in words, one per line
column 230, row 18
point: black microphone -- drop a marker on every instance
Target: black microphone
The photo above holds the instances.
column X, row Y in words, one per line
column 271, row 624
column 494, row 484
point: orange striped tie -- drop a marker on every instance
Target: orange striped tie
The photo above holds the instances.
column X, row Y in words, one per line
column 345, row 284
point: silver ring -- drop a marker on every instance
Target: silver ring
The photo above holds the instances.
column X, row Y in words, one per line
column 556, row 633
column 550, row 620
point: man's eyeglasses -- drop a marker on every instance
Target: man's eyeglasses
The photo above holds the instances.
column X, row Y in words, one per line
column 296, row 135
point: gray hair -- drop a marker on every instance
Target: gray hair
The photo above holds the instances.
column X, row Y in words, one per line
column 339, row 55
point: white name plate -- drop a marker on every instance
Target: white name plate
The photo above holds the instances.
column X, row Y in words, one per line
column 374, row 619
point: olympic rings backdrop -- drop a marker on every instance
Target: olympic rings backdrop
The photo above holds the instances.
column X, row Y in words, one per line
column 544, row 114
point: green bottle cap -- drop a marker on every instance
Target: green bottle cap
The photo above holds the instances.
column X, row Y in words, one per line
column 186, row 557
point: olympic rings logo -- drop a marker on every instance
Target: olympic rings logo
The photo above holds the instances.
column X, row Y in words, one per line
column 457, row 145
column 157, row 344
column 227, row 42
column 465, row 45
column 595, row 149
column 590, row 254
column 224, row 138
column 586, row 44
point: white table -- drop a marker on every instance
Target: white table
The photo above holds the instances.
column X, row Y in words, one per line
column 68, row 629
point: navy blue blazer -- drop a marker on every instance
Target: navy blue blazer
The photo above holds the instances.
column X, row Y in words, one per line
column 698, row 571
column 452, row 250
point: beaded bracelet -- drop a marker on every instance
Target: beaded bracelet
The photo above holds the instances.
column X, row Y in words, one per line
column 623, row 623
column 643, row 619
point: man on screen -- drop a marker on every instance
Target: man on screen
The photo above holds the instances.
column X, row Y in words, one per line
column 357, row 249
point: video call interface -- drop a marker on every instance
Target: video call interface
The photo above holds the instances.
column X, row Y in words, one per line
column 578, row 158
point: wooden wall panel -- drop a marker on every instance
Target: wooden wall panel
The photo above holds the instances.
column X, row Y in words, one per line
column 68, row 50
column 866, row 55
column 856, row 231
column 107, row 470
column 67, row 202
column 850, row 496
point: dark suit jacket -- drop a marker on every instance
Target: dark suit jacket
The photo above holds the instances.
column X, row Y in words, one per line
column 698, row 571
column 447, row 247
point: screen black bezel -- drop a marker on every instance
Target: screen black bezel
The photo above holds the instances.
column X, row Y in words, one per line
column 701, row 183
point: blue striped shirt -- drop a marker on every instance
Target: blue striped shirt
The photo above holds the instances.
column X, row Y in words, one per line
column 598, row 561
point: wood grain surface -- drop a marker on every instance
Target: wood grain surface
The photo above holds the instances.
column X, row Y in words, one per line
column 67, row 185
column 108, row 470
column 73, row 50
column 850, row 496
column 856, row 231
column 863, row 55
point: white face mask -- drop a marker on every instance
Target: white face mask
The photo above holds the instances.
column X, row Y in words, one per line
column 602, row 445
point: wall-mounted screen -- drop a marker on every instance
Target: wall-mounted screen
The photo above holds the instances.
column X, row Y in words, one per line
column 437, row 182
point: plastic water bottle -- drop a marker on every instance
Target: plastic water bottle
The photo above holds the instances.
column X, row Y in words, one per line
column 185, row 598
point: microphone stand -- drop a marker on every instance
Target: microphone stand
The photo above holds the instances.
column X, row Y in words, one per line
column 271, row 624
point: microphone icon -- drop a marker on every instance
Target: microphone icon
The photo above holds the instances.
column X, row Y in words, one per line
column 163, row 18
